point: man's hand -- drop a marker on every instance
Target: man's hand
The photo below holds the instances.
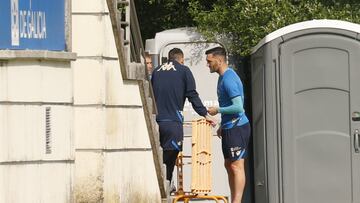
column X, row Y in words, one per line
column 211, row 120
column 218, row 132
column 213, row 110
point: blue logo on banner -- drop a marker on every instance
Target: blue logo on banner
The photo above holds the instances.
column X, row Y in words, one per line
column 32, row 24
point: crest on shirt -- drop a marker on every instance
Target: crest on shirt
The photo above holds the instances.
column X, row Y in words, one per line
column 167, row 67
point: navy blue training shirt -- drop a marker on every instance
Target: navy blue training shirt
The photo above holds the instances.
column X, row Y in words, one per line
column 172, row 83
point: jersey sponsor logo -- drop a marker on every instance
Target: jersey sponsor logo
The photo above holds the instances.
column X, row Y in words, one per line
column 167, row 67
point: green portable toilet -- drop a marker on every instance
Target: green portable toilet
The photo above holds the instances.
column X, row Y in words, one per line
column 306, row 104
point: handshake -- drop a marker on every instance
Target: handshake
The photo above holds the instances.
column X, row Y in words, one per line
column 212, row 111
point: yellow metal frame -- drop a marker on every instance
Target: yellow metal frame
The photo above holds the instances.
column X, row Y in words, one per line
column 201, row 183
column 187, row 198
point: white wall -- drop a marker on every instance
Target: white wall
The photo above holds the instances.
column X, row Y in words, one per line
column 32, row 169
column 114, row 160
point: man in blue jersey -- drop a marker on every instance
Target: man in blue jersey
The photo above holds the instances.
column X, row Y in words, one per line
column 235, row 128
column 172, row 83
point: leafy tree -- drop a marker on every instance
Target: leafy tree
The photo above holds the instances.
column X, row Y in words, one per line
column 241, row 24
column 158, row 15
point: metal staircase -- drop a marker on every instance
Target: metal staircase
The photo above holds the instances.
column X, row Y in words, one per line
column 130, row 53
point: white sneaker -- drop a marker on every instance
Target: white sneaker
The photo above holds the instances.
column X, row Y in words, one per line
column 172, row 187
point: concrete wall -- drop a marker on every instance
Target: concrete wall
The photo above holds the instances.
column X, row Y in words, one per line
column 36, row 127
column 114, row 160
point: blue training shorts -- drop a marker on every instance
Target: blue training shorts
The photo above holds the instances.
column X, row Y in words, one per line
column 235, row 141
column 171, row 135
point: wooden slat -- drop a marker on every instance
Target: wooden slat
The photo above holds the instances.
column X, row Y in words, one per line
column 201, row 157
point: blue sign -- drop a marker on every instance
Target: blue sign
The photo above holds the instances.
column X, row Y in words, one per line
column 32, row 24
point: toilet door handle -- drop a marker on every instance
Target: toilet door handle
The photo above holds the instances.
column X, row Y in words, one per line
column 356, row 141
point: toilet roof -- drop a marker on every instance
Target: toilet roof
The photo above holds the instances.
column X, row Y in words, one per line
column 312, row 24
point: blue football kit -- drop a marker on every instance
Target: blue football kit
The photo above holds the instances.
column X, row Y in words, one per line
column 172, row 83
column 235, row 126
column 229, row 87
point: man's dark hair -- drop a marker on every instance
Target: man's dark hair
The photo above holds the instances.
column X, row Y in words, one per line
column 147, row 54
column 175, row 54
column 217, row 51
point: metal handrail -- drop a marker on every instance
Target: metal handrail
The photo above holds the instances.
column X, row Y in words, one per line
column 136, row 39
column 129, row 71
